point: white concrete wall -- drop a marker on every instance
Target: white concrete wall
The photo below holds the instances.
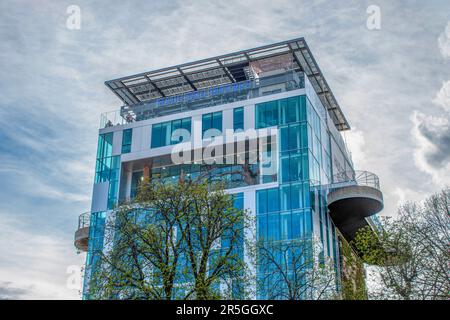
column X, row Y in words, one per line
column 227, row 119
column 249, row 116
column 100, row 197
column 117, row 143
column 136, row 141
column 250, row 235
column 191, row 113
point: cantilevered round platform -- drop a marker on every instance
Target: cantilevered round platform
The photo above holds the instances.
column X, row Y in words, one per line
column 82, row 239
column 349, row 206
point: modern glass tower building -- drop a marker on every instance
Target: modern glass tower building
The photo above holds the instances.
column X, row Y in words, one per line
column 302, row 182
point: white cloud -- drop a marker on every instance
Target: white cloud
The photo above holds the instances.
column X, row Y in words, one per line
column 444, row 41
column 53, row 79
column 33, row 264
column 356, row 144
column 443, row 96
column 406, row 194
column 432, row 153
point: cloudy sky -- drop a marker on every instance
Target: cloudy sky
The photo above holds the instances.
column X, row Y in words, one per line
column 393, row 85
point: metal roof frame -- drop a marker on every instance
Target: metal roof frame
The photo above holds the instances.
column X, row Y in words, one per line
column 186, row 77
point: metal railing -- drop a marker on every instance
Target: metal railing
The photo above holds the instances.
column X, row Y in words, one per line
column 360, row 178
column 84, row 220
column 203, row 98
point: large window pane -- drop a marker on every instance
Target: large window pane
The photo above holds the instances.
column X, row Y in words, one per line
column 285, row 198
column 295, row 167
column 273, row 200
column 285, row 171
column 156, row 135
column 211, row 121
column 186, row 124
column 238, row 119
column 297, row 227
column 261, row 201
column 294, row 137
column 262, row 227
column 206, row 122
column 217, row 121
column 271, row 113
column 304, row 135
column 165, row 134
column 308, row 223
column 284, row 138
column 176, row 124
column 285, row 224
column 293, row 109
column 302, row 102
column 260, row 115
column 296, row 196
column 273, row 226
column 126, row 140
column 284, row 112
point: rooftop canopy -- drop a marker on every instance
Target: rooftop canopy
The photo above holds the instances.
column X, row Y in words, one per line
column 228, row 68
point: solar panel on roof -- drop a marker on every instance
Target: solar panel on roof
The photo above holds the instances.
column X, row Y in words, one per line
column 228, row 68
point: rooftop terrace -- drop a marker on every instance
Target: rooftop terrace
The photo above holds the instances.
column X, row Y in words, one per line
column 236, row 72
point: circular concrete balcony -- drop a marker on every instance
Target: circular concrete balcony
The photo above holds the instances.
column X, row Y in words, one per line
column 352, row 199
column 82, row 234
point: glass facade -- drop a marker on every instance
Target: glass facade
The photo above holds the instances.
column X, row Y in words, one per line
column 238, row 118
column 237, row 289
column 281, row 213
column 127, row 137
column 164, row 134
column 107, row 170
column 211, row 121
column 291, row 211
column 232, row 175
column 287, row 212
column 107, row 167
column 280, row 112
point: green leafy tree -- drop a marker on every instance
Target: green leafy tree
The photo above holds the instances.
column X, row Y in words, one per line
column 294, row 270
column 353, row 276
column 411, row 253
column 179, row 240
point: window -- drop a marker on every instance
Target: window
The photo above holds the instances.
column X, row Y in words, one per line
column 261, row 201
column 293, row 137
column 273, row 224
column 282, row 213
column 274, row 202
column 290, row 110
column 238, row 118
column 298, row 229
column 262, row 227
column 294, row 167
column 211, row 121
column 136, row 178
column 126, row 140
column 107, row 167
column 308, row 223
column 297, row 196
column 285, row 224
column 165, row 133
column 277, row 112
column 285, row 198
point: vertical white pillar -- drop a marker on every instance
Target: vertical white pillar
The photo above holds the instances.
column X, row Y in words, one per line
column 227, row 120
column 129, row 177
column 250, row 236
column 249, row 117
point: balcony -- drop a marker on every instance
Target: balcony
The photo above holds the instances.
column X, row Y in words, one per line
column 205, row 98
column 82, row 234
column 353, row 198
